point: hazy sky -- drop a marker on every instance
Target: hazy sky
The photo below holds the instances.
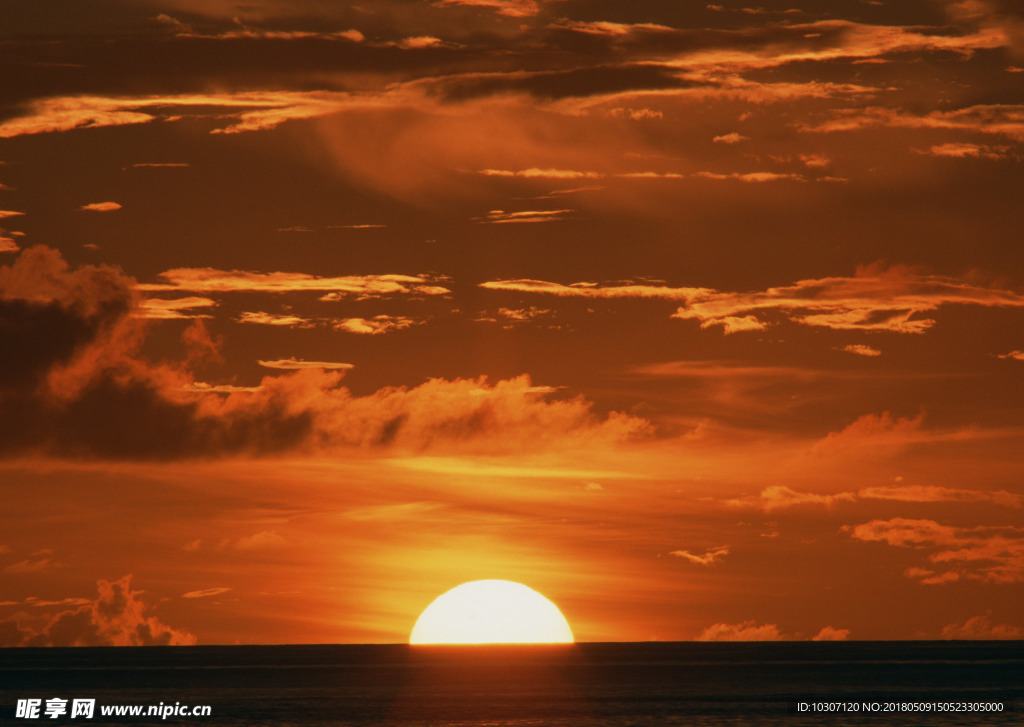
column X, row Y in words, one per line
column 703, row 320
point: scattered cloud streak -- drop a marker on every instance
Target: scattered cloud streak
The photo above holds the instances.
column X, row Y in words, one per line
column 708, row 557
column 993, row 554
column 875, row 299
column 209, row 280
column 101, row 207
column 376, row 325
column 291, row 364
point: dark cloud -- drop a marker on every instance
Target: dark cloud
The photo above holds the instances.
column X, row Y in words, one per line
column 117, row 617
column 86, row 392
column 74, row 378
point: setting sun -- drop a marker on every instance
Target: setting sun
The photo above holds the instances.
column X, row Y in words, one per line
column 491, row 612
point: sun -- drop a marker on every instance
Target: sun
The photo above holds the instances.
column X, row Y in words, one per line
column 491, row 612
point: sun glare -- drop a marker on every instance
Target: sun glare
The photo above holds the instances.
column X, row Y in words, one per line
column 491, row 612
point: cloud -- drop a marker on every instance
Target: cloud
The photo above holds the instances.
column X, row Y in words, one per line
column 752, row 177
column 745, row 631
column 883, row 435
column 249, row 111
column 8, row 244
column 248, row 32
column 636, row 114
column 931, row 578
column 817, row 161
column 593, row 290
column 101, row 207
column 75, row 376
column 174, row 308
column 509, row 8
column 779, row 497
column 10, row 213
column 117, row 617
column 205, row 593
column 420, row 41
column 730, row 138
column 376, row 325
column 263, row 540
column 510, row 317
column 271, row 319
column 501, row 217
column 292, row 364
column 33, row 566
column 706, row 558
column 829, row 633
column 933, row 493
column 210, row 280
column 860, row 349
column 772, row 46
column 981, row 627
column 610, row 29
column 1012, row 355
column 200, row 387
column 535, row 173
column 962, row 150
column 995, row 119
column 982, row 553
column 875, row 299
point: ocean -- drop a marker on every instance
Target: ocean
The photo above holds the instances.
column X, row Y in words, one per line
column 799, row 684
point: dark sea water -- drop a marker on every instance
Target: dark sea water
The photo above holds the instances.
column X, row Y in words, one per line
column 583, row 685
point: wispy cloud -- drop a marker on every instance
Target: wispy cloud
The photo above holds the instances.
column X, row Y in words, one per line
column 876, row 299
column 778, row 497
column 291, row 364
column 201, row 387
column 101, row 207
column 174, row 308
column 249, row 111
column 753, row 177
column 509, row 8
column 965, row 150
column 209, row 280
column 993, row 554
column 860, row 349
column 996, row 119
column 375, row 325
column 501, row 217
column 535, row 173
column 708, row 557
column 272, row 319
column 205, row 593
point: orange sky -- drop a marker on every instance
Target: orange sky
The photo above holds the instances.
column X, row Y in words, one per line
column 703, row 320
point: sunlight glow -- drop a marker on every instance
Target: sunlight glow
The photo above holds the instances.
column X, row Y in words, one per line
column 491, row 612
